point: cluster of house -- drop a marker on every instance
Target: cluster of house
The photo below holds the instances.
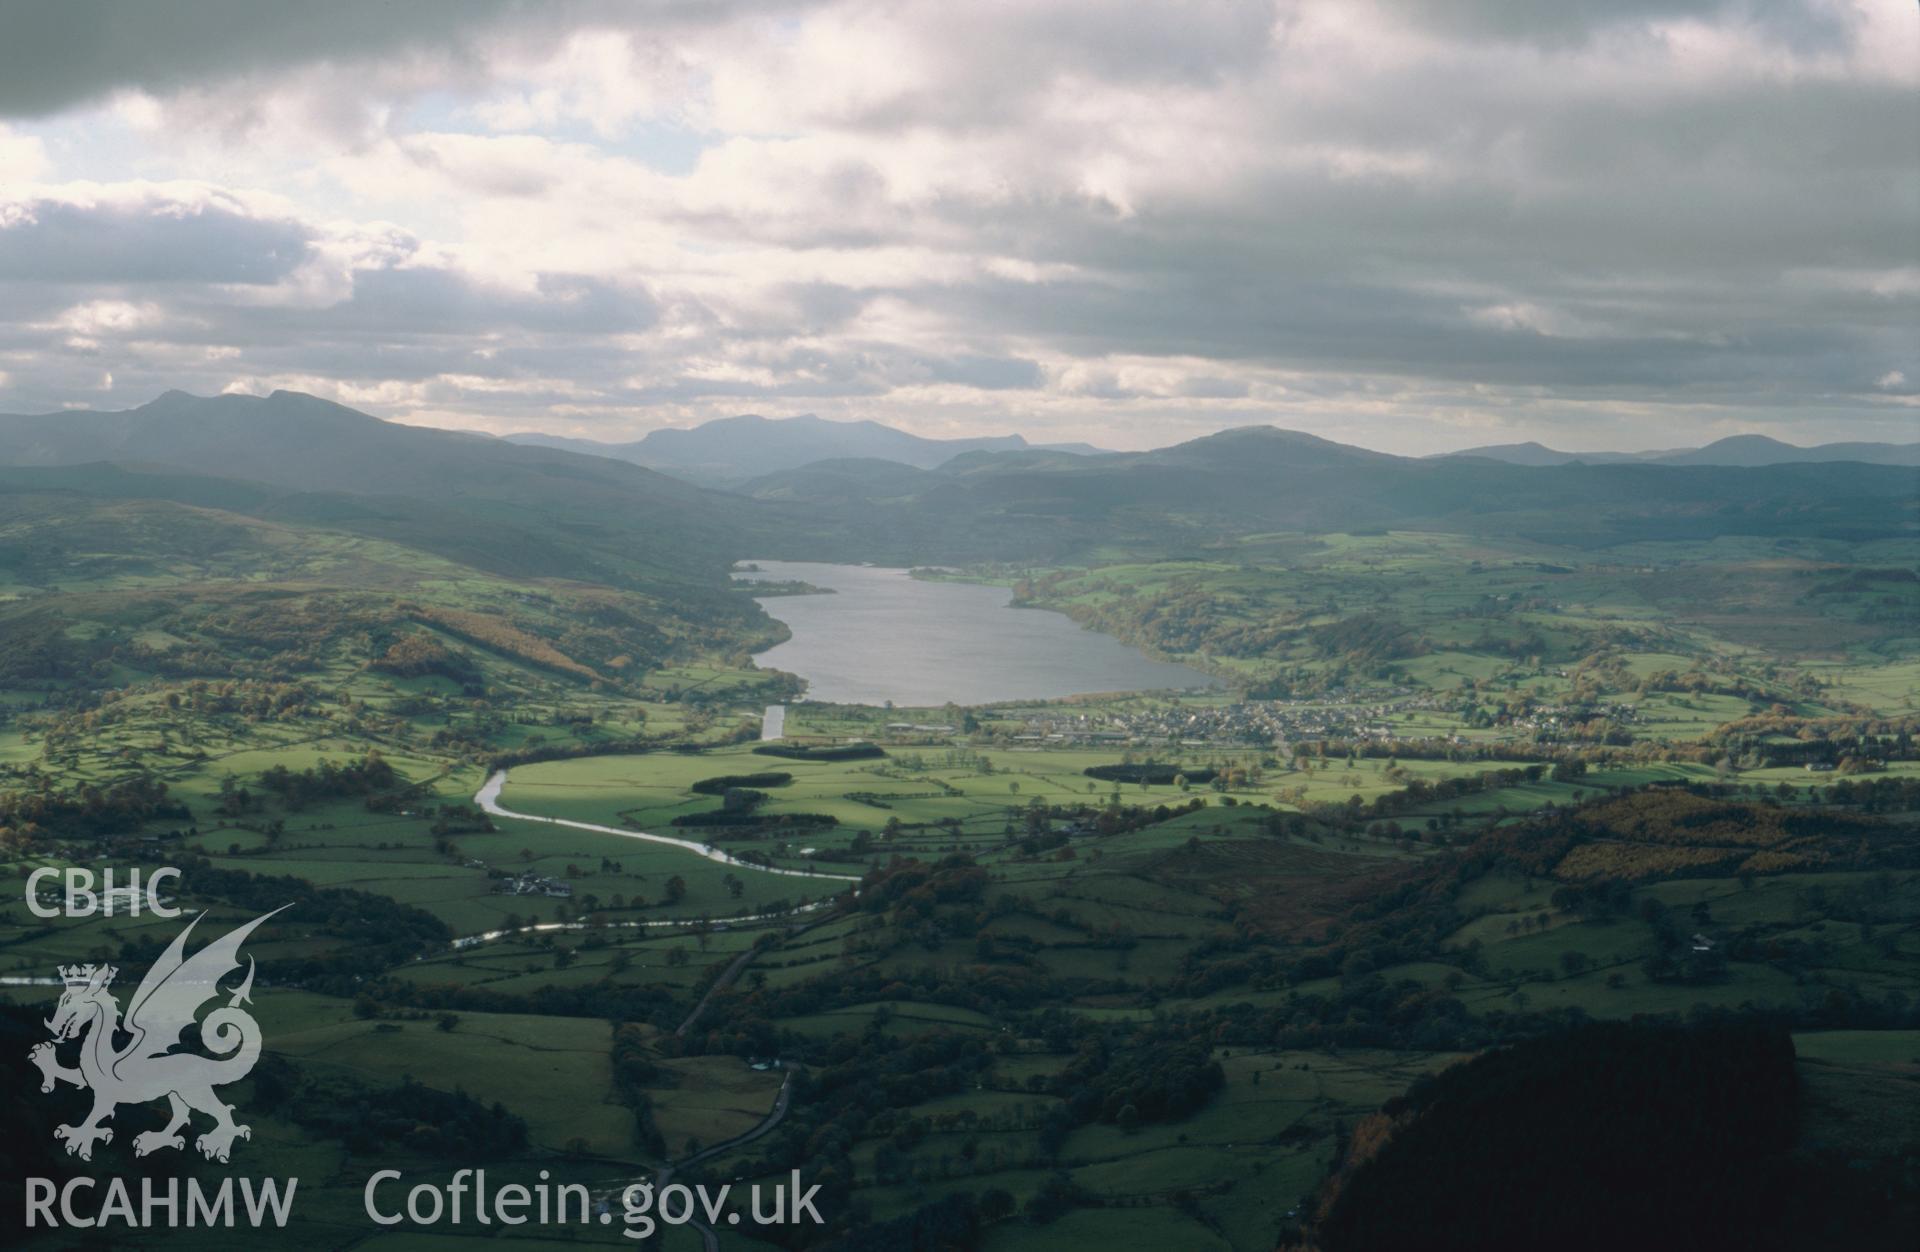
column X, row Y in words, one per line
column 532, row 884
column 1341, row 715
column 1377, row 716
column 1556, row 717
column 1358, row 714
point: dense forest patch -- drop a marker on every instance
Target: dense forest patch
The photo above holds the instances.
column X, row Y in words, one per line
column 824, row 752
column 727, row 782
column 1607, row 1136
column 1148, row 772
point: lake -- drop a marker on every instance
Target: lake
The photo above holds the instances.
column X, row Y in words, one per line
column 886, row 636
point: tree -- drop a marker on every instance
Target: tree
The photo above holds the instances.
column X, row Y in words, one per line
column 676, row 889
column 995, row 1203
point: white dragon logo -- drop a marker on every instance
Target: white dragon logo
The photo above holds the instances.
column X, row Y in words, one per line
column 146, row 1068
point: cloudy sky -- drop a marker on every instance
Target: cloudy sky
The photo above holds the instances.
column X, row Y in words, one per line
column 1411, row 224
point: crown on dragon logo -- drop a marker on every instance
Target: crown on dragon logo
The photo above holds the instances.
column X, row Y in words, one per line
column 87, row 975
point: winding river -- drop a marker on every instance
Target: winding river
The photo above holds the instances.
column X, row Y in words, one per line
column 488, row 798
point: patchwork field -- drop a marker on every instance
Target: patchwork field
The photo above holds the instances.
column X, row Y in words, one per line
column 1117, row 970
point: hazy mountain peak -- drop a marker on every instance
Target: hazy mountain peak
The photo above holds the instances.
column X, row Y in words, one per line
column 734, row 450
column 1532, row 452
column 1749, row 450
column 1756, row 450
column 1296, row 445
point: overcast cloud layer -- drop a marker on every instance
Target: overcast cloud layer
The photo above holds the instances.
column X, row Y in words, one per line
column 1416, row 226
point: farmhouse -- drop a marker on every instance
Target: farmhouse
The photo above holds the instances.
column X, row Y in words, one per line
column 531, row 884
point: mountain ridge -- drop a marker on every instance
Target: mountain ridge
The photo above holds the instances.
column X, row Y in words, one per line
column 506, row 505
column 1748, row 450
column 730, row 450
column 465, row 495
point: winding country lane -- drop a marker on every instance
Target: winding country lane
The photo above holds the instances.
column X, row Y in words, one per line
column 708, row 1235
column 488, row 798
column 662, row 1175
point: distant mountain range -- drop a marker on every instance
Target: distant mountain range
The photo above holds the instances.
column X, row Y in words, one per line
column 505, row 506
column 1747, row 450
column 1261, row 479
column 731, row 450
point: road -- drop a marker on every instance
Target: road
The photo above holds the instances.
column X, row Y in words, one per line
column 727, row 975
column 708, row 1235
column 488, row 798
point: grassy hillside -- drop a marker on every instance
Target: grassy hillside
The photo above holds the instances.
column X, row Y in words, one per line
column 512, row 509
column 1816, row 627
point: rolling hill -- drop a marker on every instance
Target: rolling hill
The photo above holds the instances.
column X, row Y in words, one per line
column 502, row 507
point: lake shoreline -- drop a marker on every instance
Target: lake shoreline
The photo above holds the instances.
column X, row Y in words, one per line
column 885, row 635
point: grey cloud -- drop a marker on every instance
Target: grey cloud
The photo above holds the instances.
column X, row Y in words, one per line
column 810, row 309
column 1002, row 58
column 1668, row 240
column 1214, row 389
column 408, row 325
column 1569, row 22
column 1198, row 42
column 988, row 373
column 150, row 242
column 1254, row 319
column 58, row 55
column 428, row 301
